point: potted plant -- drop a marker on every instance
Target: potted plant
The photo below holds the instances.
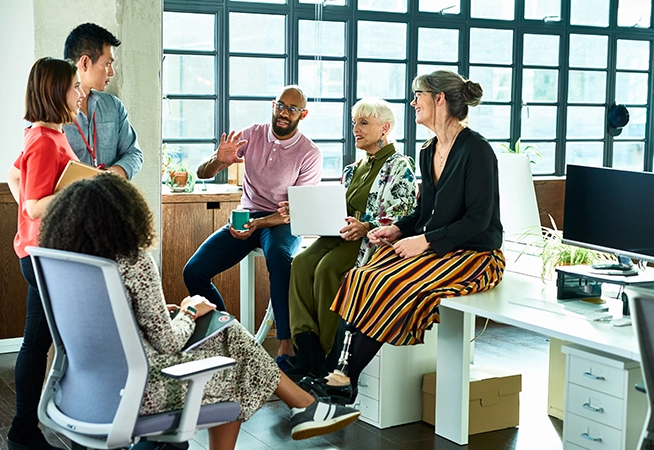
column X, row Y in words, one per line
column 529, row 150
column 179, row 178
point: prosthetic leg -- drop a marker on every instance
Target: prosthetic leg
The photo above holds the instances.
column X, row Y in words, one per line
column 339, row 376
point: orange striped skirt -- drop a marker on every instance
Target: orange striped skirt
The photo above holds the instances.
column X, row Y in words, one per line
column 394, row 300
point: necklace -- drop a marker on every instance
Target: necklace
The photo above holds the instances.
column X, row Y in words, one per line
column 442, row 157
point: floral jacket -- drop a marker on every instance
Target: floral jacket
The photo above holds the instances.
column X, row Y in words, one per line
column 392, row 196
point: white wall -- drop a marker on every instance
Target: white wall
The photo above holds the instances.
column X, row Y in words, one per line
column 17, row 54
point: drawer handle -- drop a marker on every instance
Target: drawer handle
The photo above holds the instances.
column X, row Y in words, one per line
column 591, row 438
column 594, row 377
column 362, row 385
column 589, row 407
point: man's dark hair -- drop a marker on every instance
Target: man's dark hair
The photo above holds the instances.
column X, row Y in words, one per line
column 88, row 39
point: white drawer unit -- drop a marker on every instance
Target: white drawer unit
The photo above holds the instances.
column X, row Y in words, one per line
column 390, row 387
column 603, row 410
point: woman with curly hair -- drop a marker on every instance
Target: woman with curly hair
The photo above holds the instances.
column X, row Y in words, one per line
column 380, row 189
column 52, row 99
column 106, row 216
column 449, row 246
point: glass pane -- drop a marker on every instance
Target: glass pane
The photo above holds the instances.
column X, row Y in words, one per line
column 398, row 111
column 399, row 147
column 190, row 154
column 547, row 10
column 540, row 85
column 587, row 87
column 588, row 51
column 429, row 68
column 492, row 9
column 383, row 80
column 491, row 121
column 541, row 50
column 183, row 31
column 491, row 46
column 584, row 153
column 332, row 159
column 544, row 165
column 635, row 129
column 322, row 79
column 260, row 1
column 438, row 44
column 586, row 122
column 243, row 113
column 331, row 2
column 538, row 122
column 631, row 88
column 255, row 76
column 391, row 44
column 324, row 121
column 629, row 155
column 495, row 81
column 589, row 12
column 633, row 55
column 634, row 13
column 321, row 38
column 440, row 6
column 382, row 5
column 189, row 74
column 256, row 33
column 188, row 118
column 422, row 133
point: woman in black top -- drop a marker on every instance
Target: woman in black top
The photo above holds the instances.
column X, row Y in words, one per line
column 449, row 246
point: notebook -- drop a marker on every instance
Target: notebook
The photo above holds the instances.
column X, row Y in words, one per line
column 207, row 327
column 317, row 210
column 74, row 171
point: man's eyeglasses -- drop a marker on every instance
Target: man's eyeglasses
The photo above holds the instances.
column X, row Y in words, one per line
column 280, row 107
column 415, row 94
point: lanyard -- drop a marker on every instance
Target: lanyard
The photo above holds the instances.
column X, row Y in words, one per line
column 95, row 141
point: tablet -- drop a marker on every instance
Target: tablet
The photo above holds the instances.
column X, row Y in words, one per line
column 74, row 171
column 317, row 210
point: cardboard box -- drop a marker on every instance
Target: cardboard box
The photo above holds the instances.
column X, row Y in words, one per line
column 494, row 399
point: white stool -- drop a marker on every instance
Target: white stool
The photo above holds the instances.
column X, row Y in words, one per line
column 247, row 293
column 247, row 298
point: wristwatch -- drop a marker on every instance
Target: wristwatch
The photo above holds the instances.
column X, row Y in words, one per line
column 190, row 311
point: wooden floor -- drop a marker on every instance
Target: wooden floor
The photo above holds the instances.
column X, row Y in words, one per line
column 269, row 428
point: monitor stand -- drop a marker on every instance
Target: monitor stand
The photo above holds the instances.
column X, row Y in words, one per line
column 623, row 267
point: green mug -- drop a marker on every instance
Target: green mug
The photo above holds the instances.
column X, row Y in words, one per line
column 239, row 218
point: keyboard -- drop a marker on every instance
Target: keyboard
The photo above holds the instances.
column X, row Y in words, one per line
column 580, row 310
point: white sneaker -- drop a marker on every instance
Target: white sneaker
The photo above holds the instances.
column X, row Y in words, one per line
column 320, row 418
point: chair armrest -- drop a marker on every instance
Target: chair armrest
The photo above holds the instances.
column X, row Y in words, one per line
column 191, row 369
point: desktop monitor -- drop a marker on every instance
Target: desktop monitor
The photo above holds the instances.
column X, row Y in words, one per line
column 610, row 210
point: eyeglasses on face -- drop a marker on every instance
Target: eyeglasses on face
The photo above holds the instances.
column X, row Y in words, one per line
column 416, row 94
column 280, row 107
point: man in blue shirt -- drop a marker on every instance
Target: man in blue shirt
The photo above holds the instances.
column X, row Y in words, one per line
column 101, row 134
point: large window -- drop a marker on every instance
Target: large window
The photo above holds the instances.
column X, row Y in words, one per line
column 550, row 69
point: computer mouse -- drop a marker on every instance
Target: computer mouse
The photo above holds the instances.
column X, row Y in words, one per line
column 621, row 322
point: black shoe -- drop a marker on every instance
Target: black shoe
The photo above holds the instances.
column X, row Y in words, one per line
column 36, row 445
column 342, row 395
column 309, row 355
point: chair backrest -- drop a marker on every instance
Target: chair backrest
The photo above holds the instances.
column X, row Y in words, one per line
column 641, row 306
column 100, row 369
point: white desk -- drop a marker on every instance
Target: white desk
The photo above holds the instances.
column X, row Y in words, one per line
column 454, row 331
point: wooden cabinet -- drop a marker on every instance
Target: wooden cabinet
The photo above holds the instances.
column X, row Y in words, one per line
column 603, row 410
column 186, row 221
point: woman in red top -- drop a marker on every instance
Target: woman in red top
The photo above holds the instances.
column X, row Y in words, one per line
column 52, row 99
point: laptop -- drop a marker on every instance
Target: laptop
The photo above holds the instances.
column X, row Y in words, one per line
column 317, row 210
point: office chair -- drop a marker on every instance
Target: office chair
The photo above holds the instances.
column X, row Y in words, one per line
column 641, row 305
column 95, row 387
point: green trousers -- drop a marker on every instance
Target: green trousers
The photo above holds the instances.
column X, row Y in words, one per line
column 316, row 275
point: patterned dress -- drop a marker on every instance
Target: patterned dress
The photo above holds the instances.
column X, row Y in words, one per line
column 250, row 382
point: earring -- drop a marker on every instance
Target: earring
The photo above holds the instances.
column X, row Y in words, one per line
column 380, row 142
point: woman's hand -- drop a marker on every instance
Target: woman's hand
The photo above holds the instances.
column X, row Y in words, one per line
column 384, row 235
column 284, row 211
column 201, row 304
column 411, row 246
column 354, row 230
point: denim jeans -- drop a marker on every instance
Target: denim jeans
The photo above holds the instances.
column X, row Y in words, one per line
column 221, row 251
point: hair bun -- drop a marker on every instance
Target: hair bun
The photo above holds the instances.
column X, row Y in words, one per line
column 471, row 93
